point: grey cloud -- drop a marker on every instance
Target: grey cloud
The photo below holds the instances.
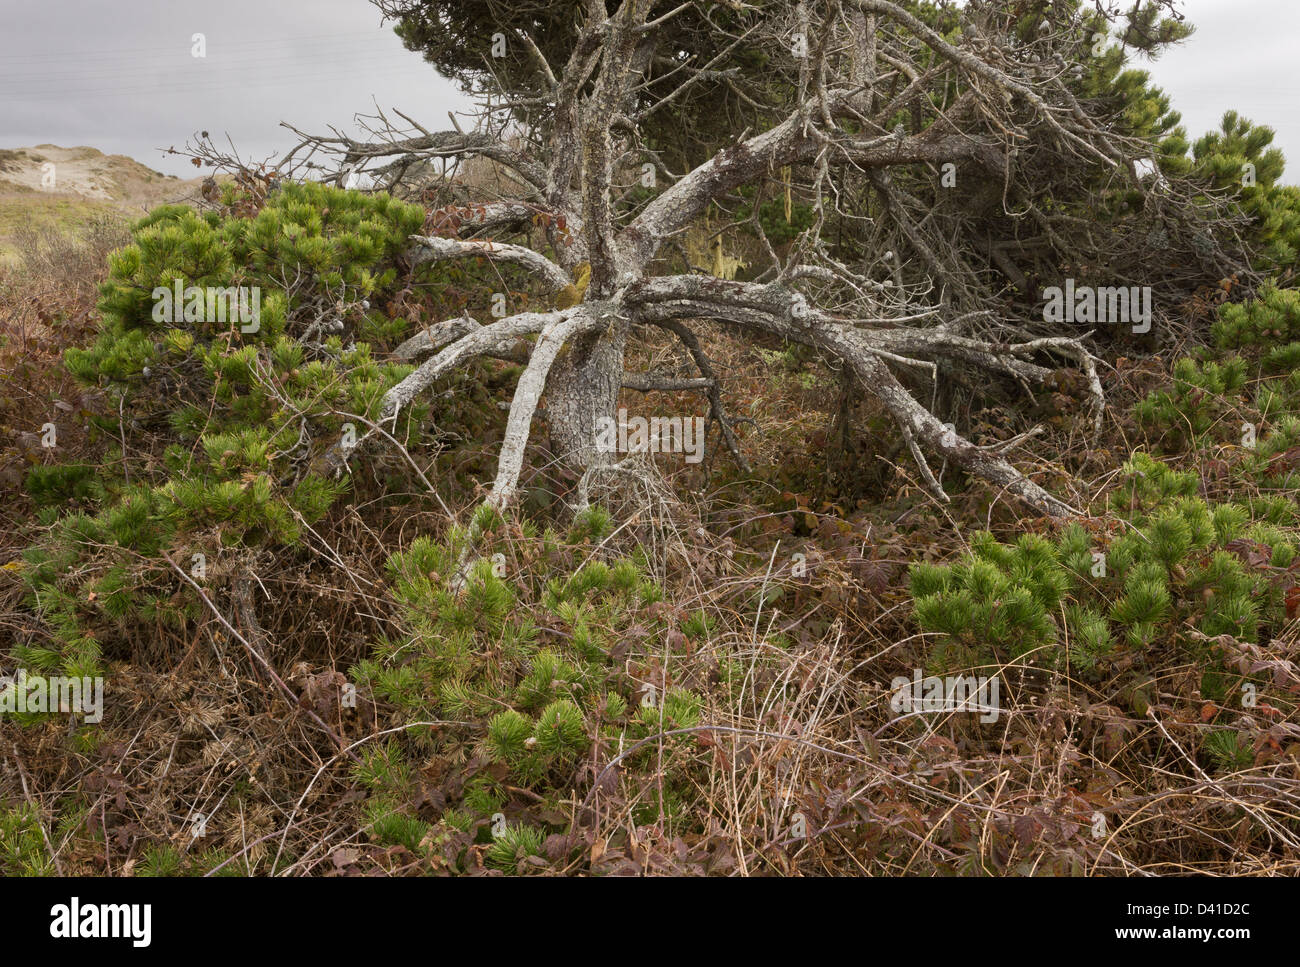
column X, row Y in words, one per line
column 120, row 77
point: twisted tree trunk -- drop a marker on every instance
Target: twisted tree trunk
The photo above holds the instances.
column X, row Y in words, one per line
column 827, row 105
column 582, row 393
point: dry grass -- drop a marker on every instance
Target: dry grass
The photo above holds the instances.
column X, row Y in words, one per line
column 799, row 766
column 47, row 303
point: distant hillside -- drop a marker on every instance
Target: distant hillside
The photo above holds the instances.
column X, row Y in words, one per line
column 86, row 183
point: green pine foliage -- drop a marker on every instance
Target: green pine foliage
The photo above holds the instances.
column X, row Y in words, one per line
column 1239, row 397
column 1083, row 598
column 1228, row 750
column 1271, row 321
column 513, row 844
column 1200, row 402
column 1218, row 567
column 224, row 429
column 23, row 850
column 162, row 860
column 1239, row 156
column 522, row 646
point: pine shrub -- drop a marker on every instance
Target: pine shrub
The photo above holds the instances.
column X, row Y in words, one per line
column 523, row 651
column 224, row 429
column 1083, row 600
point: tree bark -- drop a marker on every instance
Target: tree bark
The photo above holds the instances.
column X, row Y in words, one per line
column 582, row 391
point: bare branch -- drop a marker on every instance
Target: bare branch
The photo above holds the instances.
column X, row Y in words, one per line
column 431, row 248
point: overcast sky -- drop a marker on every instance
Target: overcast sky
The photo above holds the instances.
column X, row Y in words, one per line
column 119, row 76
